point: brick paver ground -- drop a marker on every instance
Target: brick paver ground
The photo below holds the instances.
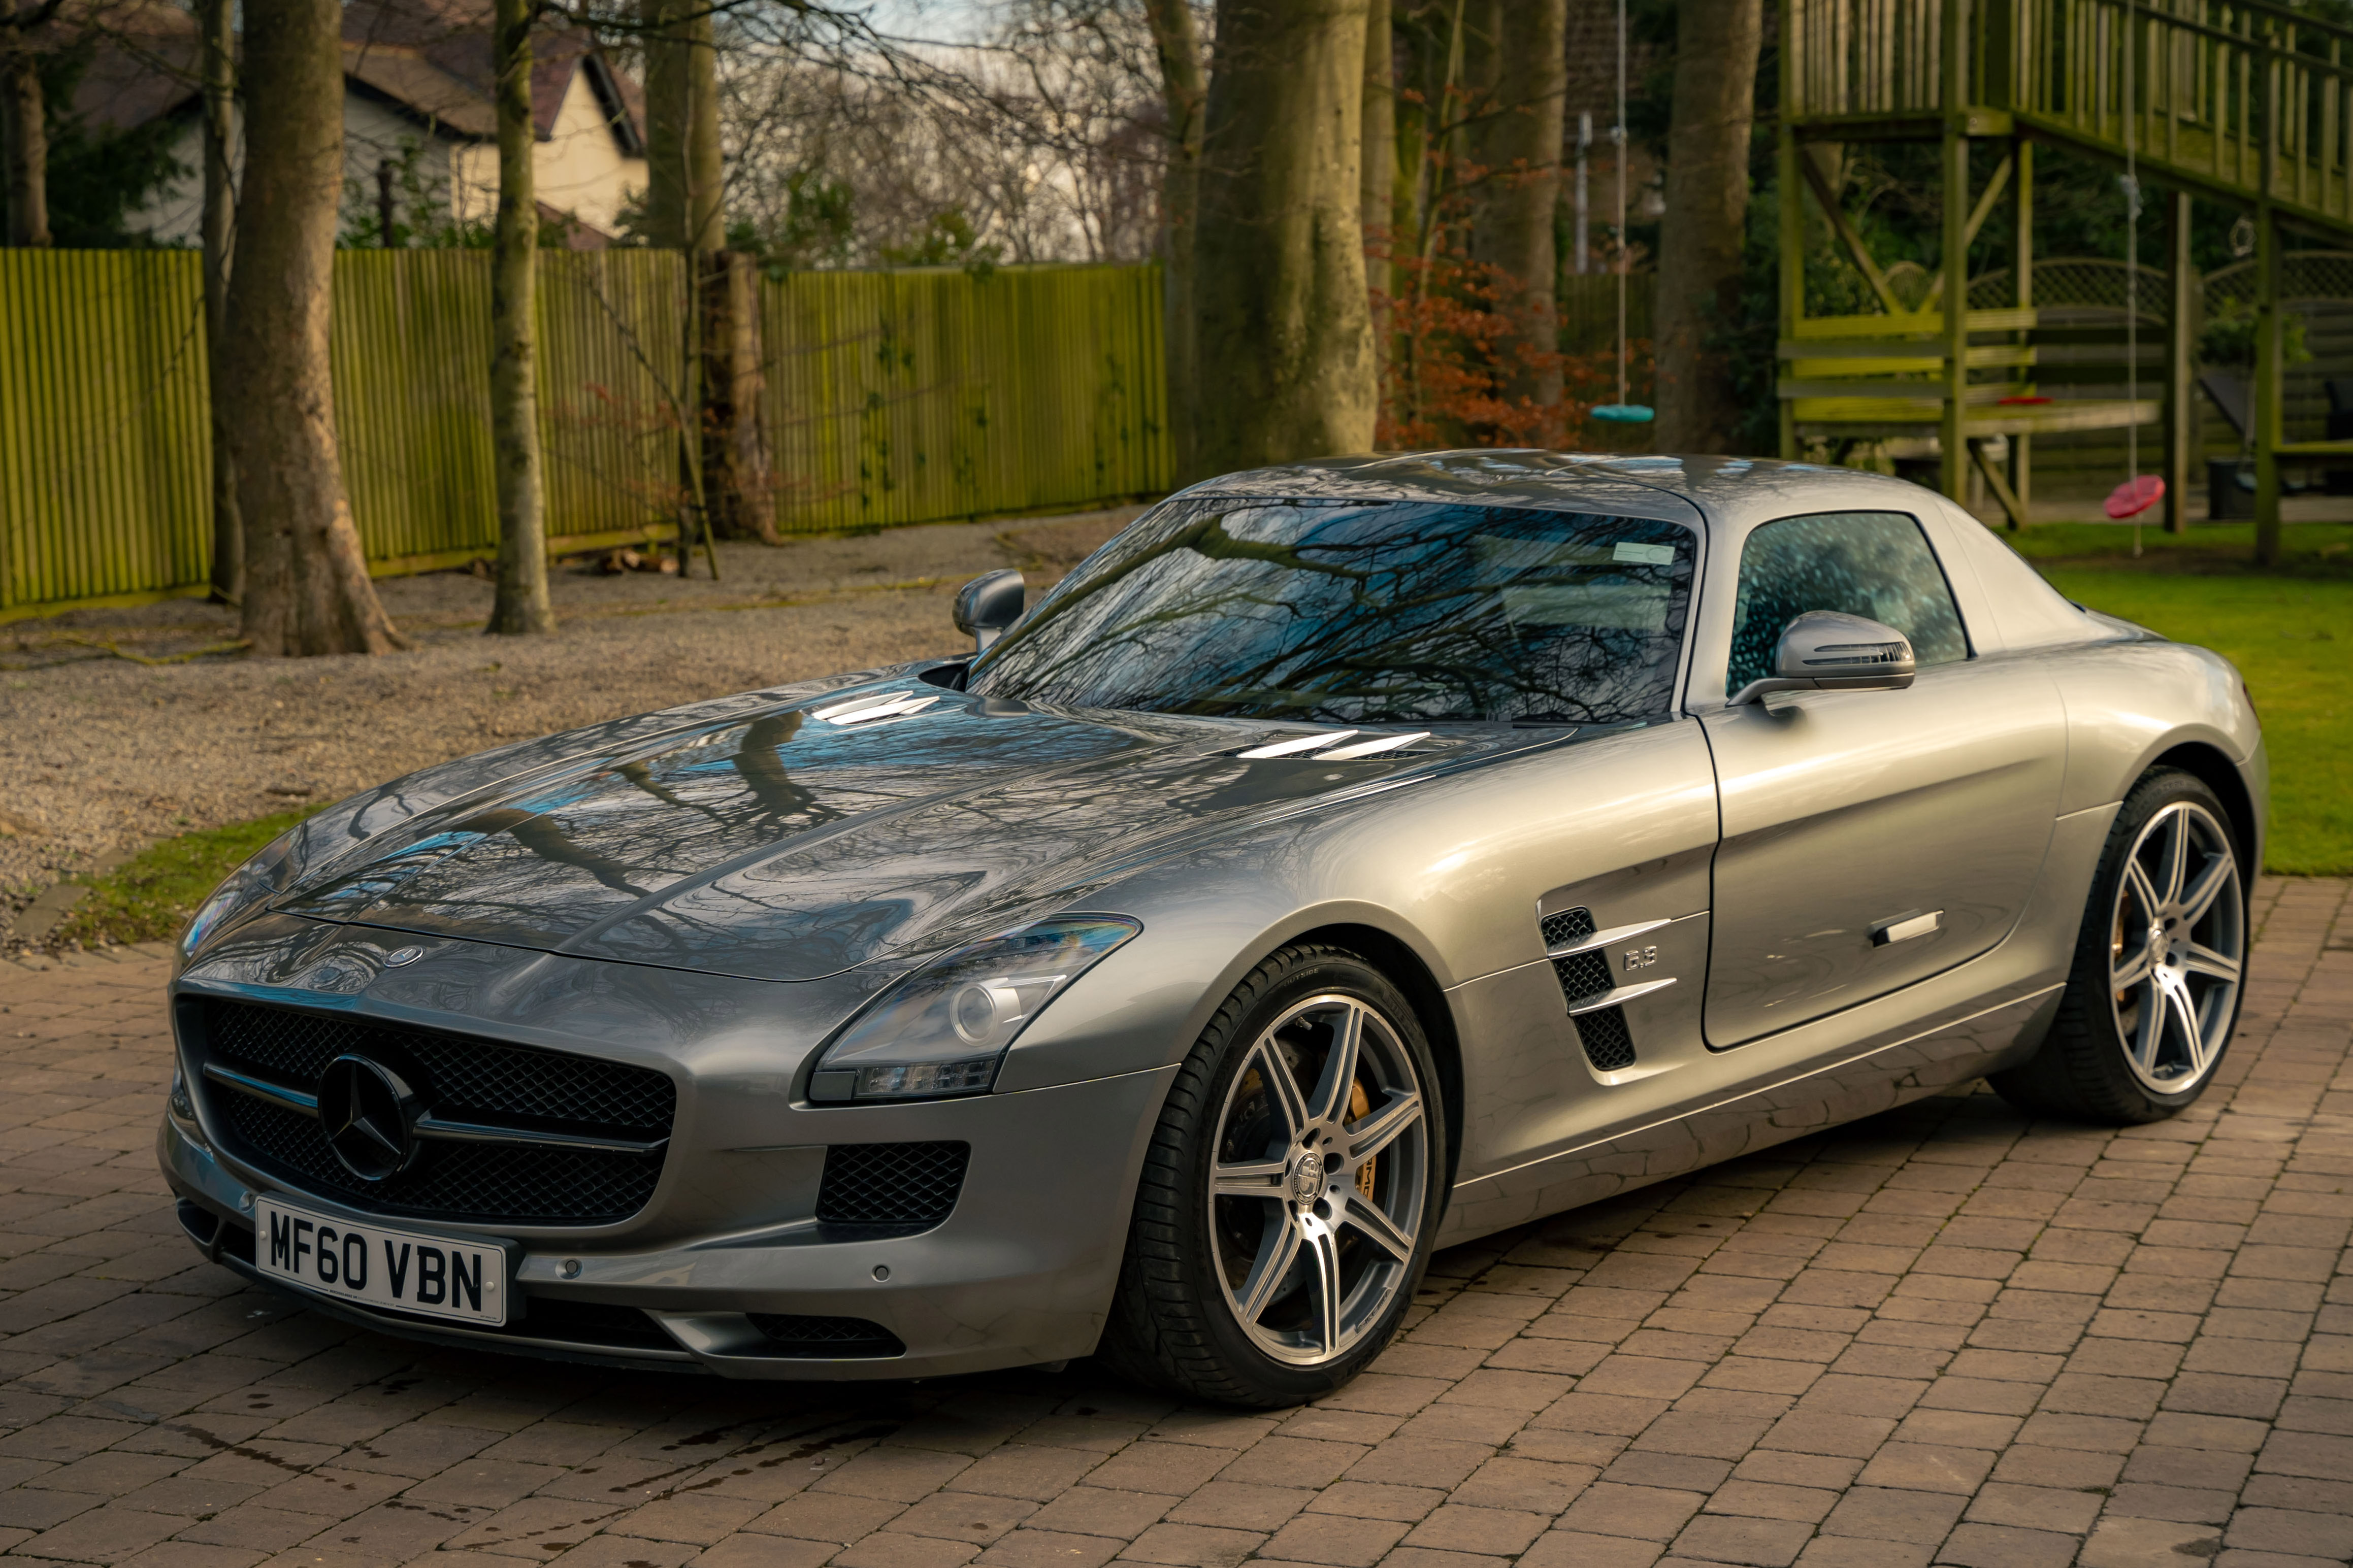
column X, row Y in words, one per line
column 1939, row 1336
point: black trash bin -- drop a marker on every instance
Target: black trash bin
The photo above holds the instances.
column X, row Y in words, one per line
column 2230, row 489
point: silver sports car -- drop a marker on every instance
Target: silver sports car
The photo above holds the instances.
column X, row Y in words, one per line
column 1346, row 860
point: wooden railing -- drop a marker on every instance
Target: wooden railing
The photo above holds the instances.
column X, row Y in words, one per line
column 2243, row 98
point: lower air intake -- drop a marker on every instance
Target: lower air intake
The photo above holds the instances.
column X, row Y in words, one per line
column 908, row 1186
column 826, row 1339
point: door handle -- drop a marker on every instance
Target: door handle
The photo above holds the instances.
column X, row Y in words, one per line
column 1905, row 926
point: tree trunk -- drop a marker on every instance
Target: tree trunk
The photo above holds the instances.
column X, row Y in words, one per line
column 1376, row 198
column 307, row 588
column 1707, row 206
column 1518, row 144
column 668, row 110
column 24, row 133
column 686, row 210
column 1183, row 90
column 1279, row 260
column 214, row 21
column 735, row 475
column 521, row 604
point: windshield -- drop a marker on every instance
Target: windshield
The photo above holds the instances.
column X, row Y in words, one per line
column 1393, row 612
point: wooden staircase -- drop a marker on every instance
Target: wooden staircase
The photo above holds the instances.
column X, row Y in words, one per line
column 2239, row 102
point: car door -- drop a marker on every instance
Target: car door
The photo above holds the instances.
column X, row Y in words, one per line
column 1869, row 838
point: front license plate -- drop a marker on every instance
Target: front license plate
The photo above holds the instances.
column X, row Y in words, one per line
column 407, row 1270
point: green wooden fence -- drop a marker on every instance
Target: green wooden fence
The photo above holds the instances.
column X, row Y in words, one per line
column 894, row 397
column 104, row 466
column 899, row 398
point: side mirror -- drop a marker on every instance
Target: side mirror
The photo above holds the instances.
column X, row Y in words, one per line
column 989, row 604
column 1823, row 650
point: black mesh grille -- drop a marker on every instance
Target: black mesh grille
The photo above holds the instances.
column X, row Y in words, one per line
column 483, row 1183
column 826, row 1338
column 891, row 1184
column 1568, row 926
column 462, row 1076
column 1609, row 1043
column 1585, row 974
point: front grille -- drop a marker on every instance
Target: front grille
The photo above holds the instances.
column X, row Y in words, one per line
column 902, row 1185
column 467, row 1076
column 1608, row 1042
column 826, row 1339
column 459, row 1079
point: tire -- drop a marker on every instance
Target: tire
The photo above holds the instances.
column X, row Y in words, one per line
column 1280, row 1279
column 2160, row 965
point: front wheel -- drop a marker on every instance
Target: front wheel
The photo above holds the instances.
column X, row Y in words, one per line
column 1291, row 1192
column 2154, row 992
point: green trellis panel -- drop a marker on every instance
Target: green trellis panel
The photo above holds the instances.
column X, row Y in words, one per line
column 105, row 467
column 930, row 394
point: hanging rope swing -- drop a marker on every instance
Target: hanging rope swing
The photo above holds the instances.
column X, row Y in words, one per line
column 1621, row 411
column 2139, row 491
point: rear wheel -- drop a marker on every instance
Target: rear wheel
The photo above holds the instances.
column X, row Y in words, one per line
column 2153, row 994
column 1291, row 1191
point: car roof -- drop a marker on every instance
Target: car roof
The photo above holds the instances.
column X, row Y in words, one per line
column 2004, row 600
column 1722, row 490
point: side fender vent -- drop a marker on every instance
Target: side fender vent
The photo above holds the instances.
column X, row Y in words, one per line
column 1585, row 974
column 1608, row 1042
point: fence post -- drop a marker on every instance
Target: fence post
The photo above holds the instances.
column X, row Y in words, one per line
column 2181, row 412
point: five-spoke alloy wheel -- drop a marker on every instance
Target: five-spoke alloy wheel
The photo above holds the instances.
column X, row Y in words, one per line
column 1287, row 1203
column 2154, row 992
column 2177, row 944
column 1316, row 1200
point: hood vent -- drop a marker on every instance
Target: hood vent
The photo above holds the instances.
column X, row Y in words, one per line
column 877, row 705
column 1328, row 747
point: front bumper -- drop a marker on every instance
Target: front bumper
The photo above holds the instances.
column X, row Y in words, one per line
column 1020, row 1272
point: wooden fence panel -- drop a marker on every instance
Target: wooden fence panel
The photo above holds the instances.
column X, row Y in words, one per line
column 894, row 397
column 105, row 463
column 410, row 339
column 917, row 395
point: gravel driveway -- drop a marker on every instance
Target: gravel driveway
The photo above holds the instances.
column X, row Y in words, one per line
column 106, row 753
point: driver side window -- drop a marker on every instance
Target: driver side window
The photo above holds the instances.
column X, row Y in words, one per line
column 1876, row 564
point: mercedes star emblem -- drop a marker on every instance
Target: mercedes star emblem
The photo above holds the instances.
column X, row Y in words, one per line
column 399, row 956
column 366, row 1112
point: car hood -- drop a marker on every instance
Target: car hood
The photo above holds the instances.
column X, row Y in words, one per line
column 785, row 846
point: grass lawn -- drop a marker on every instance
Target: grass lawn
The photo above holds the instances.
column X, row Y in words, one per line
column 150, row 896
column 2287, row 630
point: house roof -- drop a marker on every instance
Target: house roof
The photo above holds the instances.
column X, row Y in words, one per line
column 433, row 59
column 429, row 59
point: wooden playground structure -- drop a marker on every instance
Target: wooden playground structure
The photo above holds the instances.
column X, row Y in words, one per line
column 2242, row 102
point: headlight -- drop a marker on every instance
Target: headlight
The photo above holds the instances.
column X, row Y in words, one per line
column 254, row 880
column 943, row 1028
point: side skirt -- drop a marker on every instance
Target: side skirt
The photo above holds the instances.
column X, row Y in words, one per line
column 1880, row 1078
